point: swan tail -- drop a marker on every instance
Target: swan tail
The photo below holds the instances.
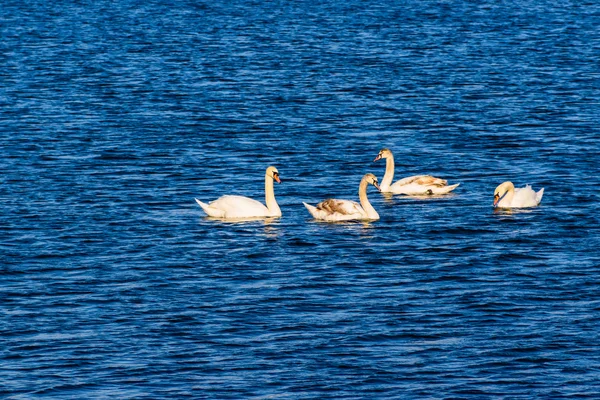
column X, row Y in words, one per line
column 311, row 209
column 210, row 211
column 450, row 188
column 445, row 189
column 539, row 195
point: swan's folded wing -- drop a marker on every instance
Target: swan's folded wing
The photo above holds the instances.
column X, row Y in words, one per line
column 210, row 211
column 239, row 206
column 424, row 180
column 344, row 207
column 539, row 195
column 525, row 197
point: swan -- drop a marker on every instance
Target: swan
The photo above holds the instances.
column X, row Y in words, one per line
column 506, row 196
column 235, row 207
column 344, row 210
column 412, row 185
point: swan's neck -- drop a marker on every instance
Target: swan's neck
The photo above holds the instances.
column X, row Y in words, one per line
column 270, row 197
column 364, row 201
column 389, row 173
column 508, row 198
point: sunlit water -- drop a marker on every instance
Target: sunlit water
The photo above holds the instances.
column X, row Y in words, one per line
column 115, row 115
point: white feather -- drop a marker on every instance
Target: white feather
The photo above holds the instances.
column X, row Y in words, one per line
column 240, row 207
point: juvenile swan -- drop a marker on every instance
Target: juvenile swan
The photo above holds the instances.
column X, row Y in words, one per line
column 234, row 207
column 344, row 210
column 412, row 185
column 506, row 196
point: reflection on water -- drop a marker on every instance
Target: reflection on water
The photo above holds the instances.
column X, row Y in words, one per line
column 270, row 225
column 351, row 222
column 511, row 211
column 364, row 228
column 271, row 230
column 242, row 221
column 390, row 197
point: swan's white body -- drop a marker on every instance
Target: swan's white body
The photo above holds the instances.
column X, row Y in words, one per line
column 412, row 185
column 346, row 210
column 237, row 207
column 506, row 196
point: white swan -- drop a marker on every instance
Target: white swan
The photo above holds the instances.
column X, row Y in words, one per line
column 235, row 207
column 506, row 196
column 412, row 185
column 345, row 210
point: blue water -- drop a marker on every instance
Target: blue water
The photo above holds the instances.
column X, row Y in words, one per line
column 115, row 115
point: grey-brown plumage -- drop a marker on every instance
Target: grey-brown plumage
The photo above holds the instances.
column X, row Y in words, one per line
column 412, row 185
column 339, row 206
column 345, row 210
column 426, row 180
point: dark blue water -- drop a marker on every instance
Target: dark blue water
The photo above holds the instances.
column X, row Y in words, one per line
column 115, row 115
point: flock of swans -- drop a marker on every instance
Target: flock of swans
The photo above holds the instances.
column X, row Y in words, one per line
column 240, row 207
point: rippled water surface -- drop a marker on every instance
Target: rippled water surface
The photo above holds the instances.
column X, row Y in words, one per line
column 115, row 115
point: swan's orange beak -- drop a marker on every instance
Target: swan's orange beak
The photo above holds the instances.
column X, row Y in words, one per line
column 496, row 200
column 276, row 177
column 377, row 158
column 377, row 184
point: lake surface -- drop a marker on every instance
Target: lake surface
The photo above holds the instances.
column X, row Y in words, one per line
column 116, row 115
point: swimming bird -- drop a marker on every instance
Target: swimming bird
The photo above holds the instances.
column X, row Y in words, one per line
column 506, row 196
column 235, row 207
column 412, row 185
column 345, row 210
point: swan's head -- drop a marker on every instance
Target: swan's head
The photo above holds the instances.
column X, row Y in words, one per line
column 383, row 153
column 273, row 173
column 501, row 191
column 372, row 179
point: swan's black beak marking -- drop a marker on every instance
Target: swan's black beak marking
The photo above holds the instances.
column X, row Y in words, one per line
column 497, row 199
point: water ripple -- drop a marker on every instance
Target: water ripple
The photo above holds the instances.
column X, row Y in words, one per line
column 114, row 117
